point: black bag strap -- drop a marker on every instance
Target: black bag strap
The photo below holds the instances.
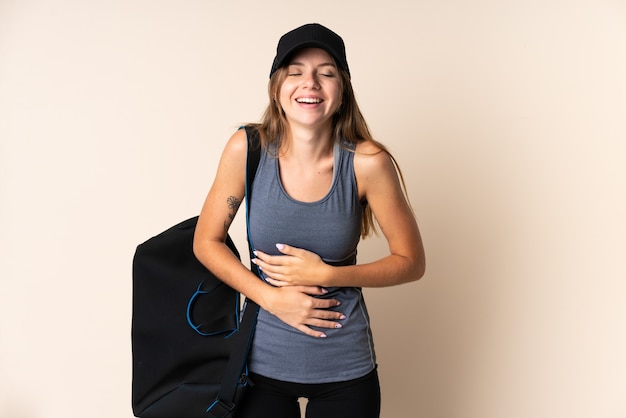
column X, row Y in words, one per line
column 252, row 163
column 234, row 374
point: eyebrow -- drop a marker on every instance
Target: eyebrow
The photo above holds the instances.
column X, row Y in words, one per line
column 325, row 64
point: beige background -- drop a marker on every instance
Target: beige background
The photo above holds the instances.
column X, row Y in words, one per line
column 508, row 117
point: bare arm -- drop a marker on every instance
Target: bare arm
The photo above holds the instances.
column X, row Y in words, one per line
column 379, row 184
column 294, row 305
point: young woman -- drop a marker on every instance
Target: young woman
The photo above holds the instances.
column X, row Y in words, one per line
column 321, row 181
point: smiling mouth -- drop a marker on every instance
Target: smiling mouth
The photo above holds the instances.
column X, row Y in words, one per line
column 309, row 100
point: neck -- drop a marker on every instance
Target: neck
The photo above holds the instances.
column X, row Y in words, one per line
column 308, row 144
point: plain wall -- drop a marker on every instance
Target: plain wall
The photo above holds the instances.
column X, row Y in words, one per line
column 507, row 117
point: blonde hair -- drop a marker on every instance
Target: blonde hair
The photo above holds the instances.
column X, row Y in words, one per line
column 348, row 124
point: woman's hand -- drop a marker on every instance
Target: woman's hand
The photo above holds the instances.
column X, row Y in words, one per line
column 297, row 267
column 296, row 307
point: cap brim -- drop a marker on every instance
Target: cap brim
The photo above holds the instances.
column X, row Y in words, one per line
column 279, row 61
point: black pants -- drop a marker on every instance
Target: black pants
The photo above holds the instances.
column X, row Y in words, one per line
column 269, row 398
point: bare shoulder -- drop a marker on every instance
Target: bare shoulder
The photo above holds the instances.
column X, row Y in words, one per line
column 232, row 166
column 237, row 145
column 368, row 148
column 371, row 159
column 374, row 170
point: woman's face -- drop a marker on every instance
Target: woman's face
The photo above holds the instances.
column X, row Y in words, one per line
column 311, row 92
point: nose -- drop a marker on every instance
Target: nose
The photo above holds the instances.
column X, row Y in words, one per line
column 310, row 80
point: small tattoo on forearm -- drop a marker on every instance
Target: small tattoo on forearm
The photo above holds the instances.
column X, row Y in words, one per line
column 233, row 205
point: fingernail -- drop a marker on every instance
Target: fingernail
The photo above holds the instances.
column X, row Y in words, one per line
column 324, row 290
column 253, row 260
column 280, row 246
column 342, row 316
column 338, row 325
column 338, row 303
column 254, row 252
column 323, row 336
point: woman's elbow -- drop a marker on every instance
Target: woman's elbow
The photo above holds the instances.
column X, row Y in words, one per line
column 201, row 243
column 197, row 247
column 418, row 267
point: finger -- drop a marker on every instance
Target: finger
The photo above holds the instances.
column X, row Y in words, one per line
column 315, row 291
column 273, row 265
column 265, row 266
column 260, row 256
column 324, row 324
column 277, row 283
column 325, row 303
column 292, row 251
column 285, row 249
column 311, row 332
column 266, row 258
column 325, row 314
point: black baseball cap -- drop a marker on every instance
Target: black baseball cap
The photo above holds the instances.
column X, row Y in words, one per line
column 312, row 35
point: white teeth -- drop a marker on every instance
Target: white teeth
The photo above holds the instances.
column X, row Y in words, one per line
column 309, row 100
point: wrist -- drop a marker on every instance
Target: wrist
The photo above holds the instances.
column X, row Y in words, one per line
column 327, row 275
column 267, row 297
